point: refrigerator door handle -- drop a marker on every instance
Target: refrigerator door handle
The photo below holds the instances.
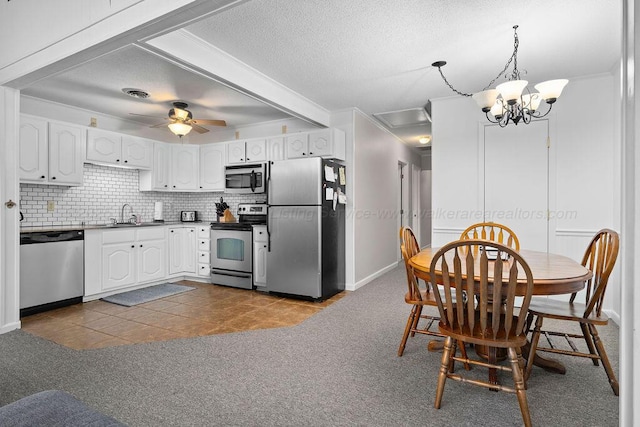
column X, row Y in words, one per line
column 268, row 233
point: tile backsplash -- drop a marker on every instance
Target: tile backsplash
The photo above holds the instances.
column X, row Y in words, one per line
column 105, row 191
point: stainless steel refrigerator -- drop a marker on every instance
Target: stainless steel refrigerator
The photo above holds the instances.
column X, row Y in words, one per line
column 306, row 227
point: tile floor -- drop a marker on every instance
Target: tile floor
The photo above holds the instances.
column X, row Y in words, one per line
column 206, row 310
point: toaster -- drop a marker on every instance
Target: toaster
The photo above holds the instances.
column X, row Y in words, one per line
column 188, row 216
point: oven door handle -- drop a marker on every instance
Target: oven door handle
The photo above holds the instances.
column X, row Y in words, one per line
column 225, row 273
column 253, row 181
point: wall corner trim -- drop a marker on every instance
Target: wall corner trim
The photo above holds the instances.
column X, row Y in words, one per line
column 371, row 277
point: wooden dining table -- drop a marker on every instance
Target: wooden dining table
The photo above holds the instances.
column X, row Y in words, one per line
column 552, row 275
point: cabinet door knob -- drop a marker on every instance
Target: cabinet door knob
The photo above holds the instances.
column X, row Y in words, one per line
column 53, row 177
column 117, row 160
column 133, row 246
column 172, row 231
column 166, row 185
column 304, row 154
column 248, row 159
column 42, row 177
column 140, row 245
column 310, row 153
column 174, row 186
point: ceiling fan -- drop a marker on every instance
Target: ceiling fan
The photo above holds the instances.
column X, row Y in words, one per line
column 181, row 120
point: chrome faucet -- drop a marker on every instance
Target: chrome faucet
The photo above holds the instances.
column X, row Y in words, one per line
column 122, row 212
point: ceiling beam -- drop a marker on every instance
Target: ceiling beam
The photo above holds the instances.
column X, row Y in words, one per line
column 193, row 53
column 141, row 21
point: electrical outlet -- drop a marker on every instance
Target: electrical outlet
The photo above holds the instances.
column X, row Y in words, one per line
column 51, row 206
column 94, row 122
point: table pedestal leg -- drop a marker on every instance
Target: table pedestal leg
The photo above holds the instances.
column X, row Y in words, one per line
column 549, row 365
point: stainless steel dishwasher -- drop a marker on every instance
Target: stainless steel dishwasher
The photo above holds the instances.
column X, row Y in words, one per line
column 51, row 270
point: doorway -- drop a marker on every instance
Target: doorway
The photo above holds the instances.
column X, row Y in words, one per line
column 402, row 202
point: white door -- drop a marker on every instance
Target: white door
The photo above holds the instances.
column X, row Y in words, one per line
column 276, row 149
column 415, row 202
column 236, row 152
column 176, row 264
column 320, row 143
column 516, row 181
column 161, row 172
column 189, row 245
column 104, row 146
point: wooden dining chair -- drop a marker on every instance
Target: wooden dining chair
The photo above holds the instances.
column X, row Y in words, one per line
column 493, row 321
column 492, row 231
column 417, row 296
column 600, row 257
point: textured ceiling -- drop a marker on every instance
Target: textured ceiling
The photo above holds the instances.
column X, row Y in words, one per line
column 98, row 85
column 373, row 55
column 376, row 55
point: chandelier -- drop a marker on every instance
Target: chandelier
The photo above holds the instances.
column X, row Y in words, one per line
column 512, row 101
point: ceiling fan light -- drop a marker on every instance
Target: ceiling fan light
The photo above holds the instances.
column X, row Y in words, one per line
column 425, row 139
column 512, row 90
column 551, row 89
column 486, row 99
column 180, row 113
column 179, row 128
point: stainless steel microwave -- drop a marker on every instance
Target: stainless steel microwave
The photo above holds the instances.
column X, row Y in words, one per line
column 245, row 179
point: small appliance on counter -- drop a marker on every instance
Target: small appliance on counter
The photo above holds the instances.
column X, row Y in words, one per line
column 189, row 216
column 158, row 215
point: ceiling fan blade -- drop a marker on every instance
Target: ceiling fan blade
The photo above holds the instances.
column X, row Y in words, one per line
column 159, row 125
column 144, row 115
column 198, row 129
column 209, row 122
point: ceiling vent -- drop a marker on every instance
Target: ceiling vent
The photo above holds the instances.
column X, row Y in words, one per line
column 136, row 93
column 401, row 118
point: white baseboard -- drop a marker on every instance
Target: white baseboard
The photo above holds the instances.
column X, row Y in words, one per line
column 361, row 283
column 615, row 317
column 10, row 327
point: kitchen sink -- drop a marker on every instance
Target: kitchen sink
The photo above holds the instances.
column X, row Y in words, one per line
column 131, row 224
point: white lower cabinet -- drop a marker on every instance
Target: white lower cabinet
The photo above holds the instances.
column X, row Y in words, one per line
column 122, row 258
column 182, row 250
column 260, row 242
column 204, row 250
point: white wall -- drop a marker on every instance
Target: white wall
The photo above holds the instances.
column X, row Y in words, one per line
column 585, row 142
column 376, row 156
column 426, row 210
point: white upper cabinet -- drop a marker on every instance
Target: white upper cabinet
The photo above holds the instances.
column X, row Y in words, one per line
column 34, row 149
column 247, row 151
column 329, row 143
column 275, row 148
column 105, row 147
column 212, row 167
column 136, row 152
column 184, row 167
column 50, row 152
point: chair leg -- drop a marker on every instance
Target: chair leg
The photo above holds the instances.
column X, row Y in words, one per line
column 416, row 320
column 589, row 340
column 520, row 388
column 463, row 353
column 407, row 329
column 452, row 362
column 444, row 366
column 605, row 360
column 534, row 344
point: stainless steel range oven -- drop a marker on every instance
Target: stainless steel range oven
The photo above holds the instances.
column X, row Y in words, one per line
column 232, row 247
